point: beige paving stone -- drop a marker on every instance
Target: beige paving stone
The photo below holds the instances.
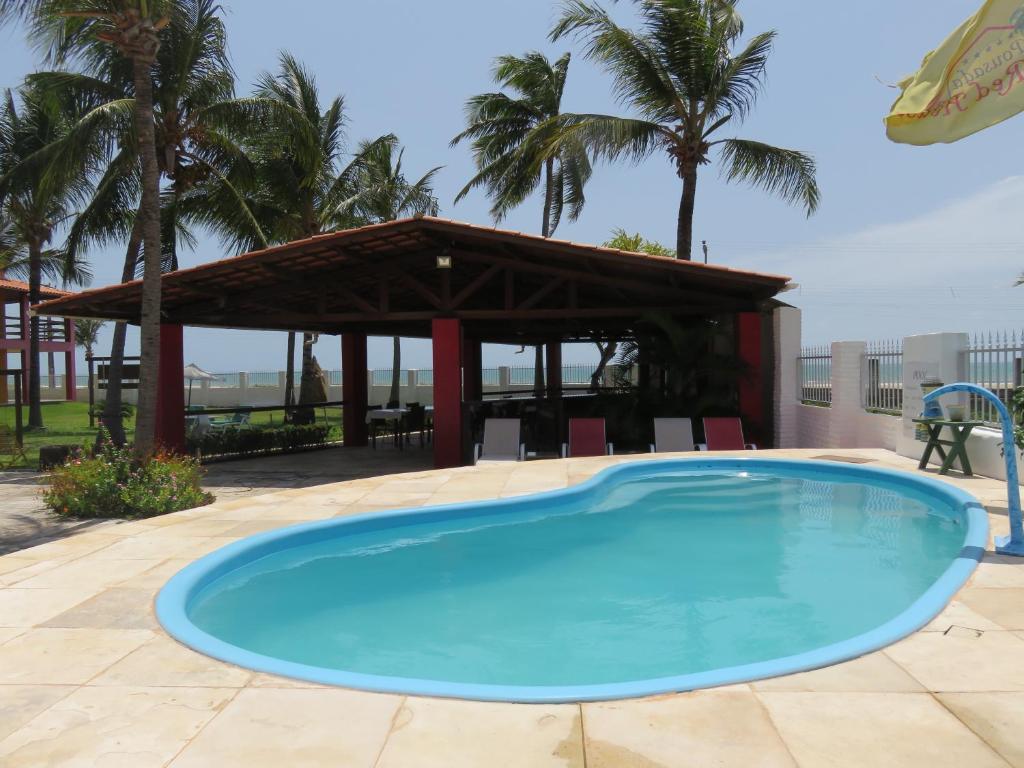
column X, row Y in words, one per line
column 65, row 656
column 88, row 573
column 20, row 703
column 434, row 733
column 146, row 546
column 9, row 633
column 998, row 718
column 191, row 528
column 997, row 571
column 697, row 729
column 1003, row 606
column 274, row 727
column 28, row 607
column 200, row 547
column 263, row 680
column 115, row 727
column 956, row 662
column 881, row 730
column 72, row 546
column 874, row 672
column 115, row 608
column 165, row 662
column 956, row 614
column 252, row 527
column 10, row 563
column 36, row 567
column 158, row 575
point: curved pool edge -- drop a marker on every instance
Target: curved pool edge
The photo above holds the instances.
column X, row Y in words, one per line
column 174, row 597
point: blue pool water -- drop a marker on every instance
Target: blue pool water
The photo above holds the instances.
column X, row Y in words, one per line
column 655, row 576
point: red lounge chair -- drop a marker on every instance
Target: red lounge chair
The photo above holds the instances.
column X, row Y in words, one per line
column 586, row 438
column 725, row 434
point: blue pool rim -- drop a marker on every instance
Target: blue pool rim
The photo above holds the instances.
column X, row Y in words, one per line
column 173, row 600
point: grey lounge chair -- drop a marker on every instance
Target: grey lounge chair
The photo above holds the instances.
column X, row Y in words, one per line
column 501, row 442
column 673, row 436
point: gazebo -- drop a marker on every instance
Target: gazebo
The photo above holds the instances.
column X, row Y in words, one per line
column 458, row 284
column 54, row 336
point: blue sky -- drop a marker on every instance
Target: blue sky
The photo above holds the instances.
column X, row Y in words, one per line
column 907, row 239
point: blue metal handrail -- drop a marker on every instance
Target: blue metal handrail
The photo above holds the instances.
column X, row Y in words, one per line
column 1014, row 543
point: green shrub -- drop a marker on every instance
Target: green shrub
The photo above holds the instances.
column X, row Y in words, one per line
column 240, row 441
column 112, row 483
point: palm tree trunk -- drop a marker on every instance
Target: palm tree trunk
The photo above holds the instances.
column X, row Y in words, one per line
column 35, row 407
column 305, row 415
column 396, row 370
column 549, row 195
column 607, row 351
column 289, row 374
column 149, row 211
column 110, row 419
column 684, row 230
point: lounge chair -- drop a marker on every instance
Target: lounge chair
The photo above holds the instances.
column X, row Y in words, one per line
column 673, row 436
column 238, row 419
column 587, row 438
column 725, row 434
column 501, row 442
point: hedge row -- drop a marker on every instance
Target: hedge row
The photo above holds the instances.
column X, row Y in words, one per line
column 242, row 441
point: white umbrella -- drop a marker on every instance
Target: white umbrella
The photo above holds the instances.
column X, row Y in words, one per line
column 194, row 373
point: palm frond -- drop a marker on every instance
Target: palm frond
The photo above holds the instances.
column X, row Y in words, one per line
column 786, row 173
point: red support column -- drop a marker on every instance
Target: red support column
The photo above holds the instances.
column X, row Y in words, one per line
column 26, row 359
column 170, row 397
column 353, row 389
column 3, row 350
column 554, row 368
column 447, row 338
column 472, row 370
column 70, row 384
column 751, row 384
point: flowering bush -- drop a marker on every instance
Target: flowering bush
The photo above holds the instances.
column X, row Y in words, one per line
column 112, row 483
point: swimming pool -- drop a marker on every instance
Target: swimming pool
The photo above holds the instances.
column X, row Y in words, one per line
column 650, row 577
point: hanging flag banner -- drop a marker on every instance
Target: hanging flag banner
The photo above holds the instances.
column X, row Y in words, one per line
column 971, row 82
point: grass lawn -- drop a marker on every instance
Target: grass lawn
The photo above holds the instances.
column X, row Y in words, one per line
column 68, row 424
column 65, row 424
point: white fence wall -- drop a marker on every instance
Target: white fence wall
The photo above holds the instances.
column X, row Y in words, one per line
column 848, row 425
column 845, row 424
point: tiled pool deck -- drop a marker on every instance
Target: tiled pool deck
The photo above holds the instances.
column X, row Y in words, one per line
column 88, row 678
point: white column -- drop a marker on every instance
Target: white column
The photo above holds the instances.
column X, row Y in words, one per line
column 847, row 393
column 941, row 356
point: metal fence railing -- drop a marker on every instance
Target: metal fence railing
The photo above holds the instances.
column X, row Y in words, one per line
column 996, row 362
column 814, row 376
column 883, row 386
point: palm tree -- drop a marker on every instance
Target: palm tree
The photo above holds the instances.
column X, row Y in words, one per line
column 681, row 74
column 196, row 119
column 35, row 200
column 87, row 333
column 67, row 29
column 299, row 188
column 508, row 134
column 382, row 193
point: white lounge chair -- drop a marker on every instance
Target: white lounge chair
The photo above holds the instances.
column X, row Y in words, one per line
column 673, row 436
column 501, row 442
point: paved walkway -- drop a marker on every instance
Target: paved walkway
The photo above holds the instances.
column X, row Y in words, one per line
column 25, row 522
column 87, row 677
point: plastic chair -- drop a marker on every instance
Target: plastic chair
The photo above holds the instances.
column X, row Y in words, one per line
column 587, row 438
column 673, row 436
column 724, row 434
column 501, row 442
